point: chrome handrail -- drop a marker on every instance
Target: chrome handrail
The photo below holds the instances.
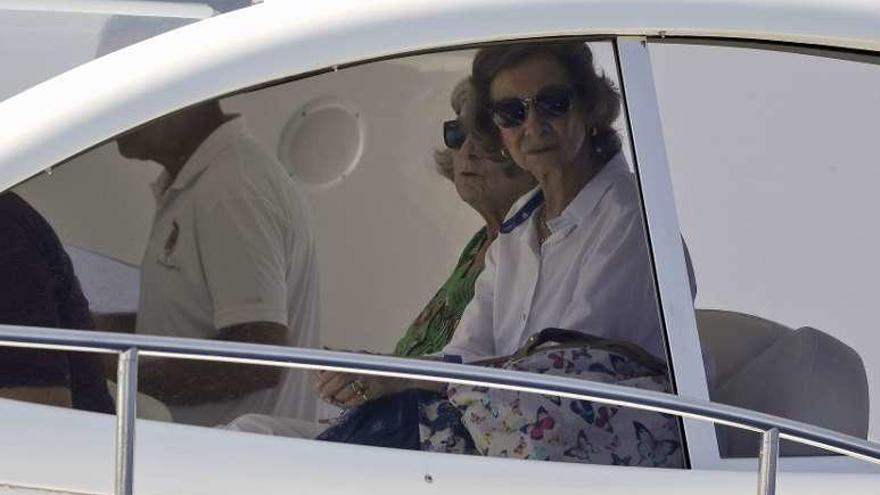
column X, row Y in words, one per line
column 130, row 346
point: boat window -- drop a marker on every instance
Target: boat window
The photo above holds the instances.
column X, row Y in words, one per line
column 773, row 161
column 394, row 208
column 40, row 39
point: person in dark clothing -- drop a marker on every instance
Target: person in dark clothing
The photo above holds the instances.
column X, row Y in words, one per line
column 38, row 288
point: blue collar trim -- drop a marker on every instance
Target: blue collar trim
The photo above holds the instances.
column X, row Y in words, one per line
column 523, row 214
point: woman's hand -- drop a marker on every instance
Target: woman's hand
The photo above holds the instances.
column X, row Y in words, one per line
column 350, row 390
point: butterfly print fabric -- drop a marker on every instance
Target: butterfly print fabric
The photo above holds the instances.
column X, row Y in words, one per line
column 531, row 426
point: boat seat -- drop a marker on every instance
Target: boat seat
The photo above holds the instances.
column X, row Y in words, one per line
column 804, row 374
column 147, row 407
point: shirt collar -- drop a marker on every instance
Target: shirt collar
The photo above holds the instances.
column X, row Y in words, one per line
column 522, row 209
column 589, row 196
column 579, row 208
column 216, row 142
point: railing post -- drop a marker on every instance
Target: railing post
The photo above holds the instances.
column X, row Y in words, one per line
column 768, row 460
column 126, row 413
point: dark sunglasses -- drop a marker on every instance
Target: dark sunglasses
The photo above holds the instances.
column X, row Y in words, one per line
column 454, row 134
column 552, row 101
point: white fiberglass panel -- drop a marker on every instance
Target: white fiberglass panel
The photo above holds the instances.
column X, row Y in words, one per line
column 278, row 39
column 41, row 39
column 66, row 452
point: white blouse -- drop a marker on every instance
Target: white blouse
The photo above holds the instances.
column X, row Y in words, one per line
column 592, row 274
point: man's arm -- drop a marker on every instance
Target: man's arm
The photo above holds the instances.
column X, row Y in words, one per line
column 182, row 382
column 27, row 298
column 115, row 322
column 243, row 258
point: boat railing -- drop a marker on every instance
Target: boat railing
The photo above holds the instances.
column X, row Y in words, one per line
column 130, row 347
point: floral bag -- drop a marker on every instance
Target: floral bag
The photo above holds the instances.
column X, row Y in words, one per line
column 505, row 423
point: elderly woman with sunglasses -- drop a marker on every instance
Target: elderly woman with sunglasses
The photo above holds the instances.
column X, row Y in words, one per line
column 490, row 184
column 570, row 254
column 573, row 252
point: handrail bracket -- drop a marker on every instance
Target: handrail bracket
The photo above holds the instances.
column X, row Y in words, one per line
column 126, row 414
column 768, row 460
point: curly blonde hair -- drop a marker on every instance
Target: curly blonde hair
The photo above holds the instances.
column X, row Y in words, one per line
column 461, row 101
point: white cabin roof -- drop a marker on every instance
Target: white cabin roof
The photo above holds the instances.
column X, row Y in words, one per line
column 276, row 39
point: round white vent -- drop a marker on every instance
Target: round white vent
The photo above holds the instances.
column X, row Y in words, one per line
column 322, row 142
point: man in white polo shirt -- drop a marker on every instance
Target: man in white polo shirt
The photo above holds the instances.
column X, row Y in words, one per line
column 230, row 257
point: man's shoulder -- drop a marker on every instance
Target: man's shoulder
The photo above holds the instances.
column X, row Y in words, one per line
column 244, row 154
column 13, row 208
column 243, row 169
column 20, row 222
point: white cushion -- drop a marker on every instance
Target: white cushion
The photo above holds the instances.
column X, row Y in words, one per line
column 805, row 375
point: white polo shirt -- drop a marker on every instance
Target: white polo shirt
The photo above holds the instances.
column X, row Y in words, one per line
column 231, row 243
column 592, row 274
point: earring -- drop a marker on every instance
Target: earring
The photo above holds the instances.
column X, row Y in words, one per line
column 504, row 154
column 597, row 148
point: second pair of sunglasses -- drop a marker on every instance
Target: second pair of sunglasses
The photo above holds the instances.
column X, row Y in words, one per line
column 454, row 134
column 551, row 101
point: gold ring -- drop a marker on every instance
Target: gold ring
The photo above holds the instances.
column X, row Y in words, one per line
column 360, row 389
